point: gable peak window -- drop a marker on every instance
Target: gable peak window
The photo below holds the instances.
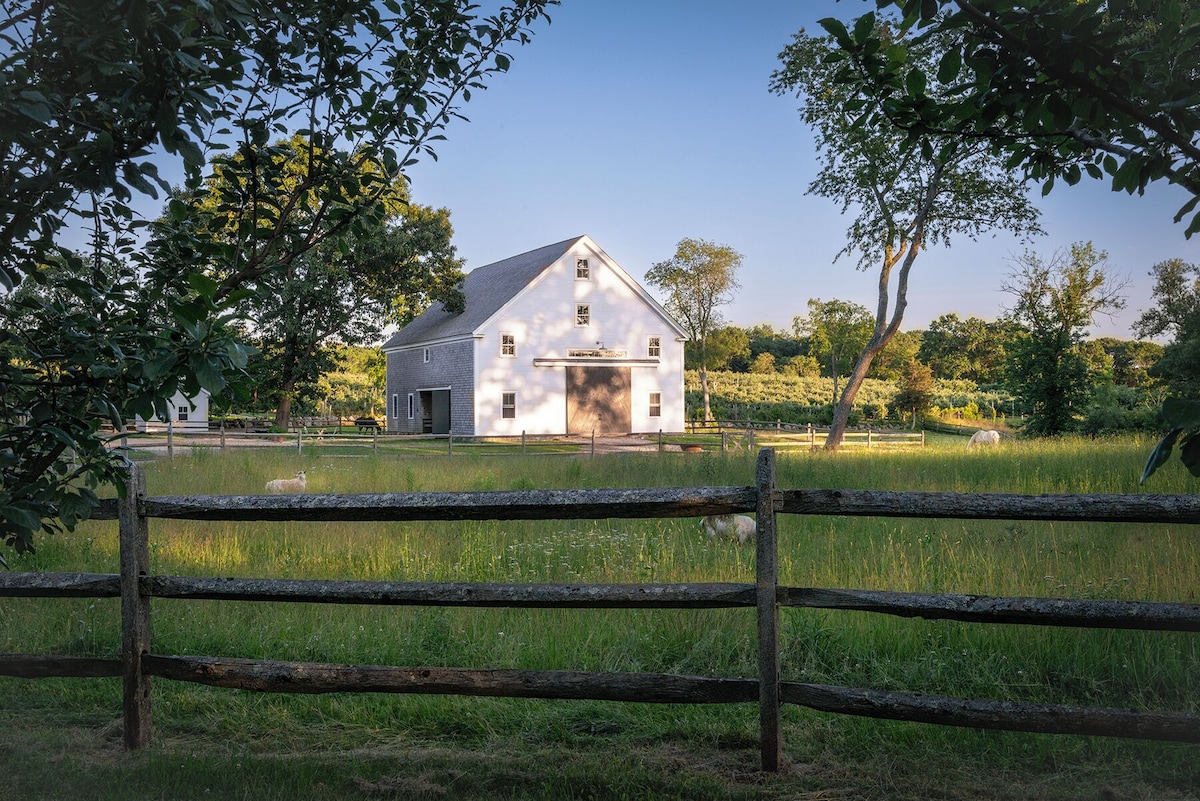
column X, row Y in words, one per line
column 583, row 314
column 508, row 344
column 654, row 346
column 583, row 271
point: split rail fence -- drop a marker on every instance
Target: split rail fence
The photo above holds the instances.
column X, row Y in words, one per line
column 136, row 585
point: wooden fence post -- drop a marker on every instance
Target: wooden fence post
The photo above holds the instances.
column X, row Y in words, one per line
column 222, row 435
column 299, row 436
column 660, row 441
column 170, row 439
column 522, row 442
column 767, row 572
column 135, row 611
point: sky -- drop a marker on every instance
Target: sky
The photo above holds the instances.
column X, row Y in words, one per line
column 642, row 122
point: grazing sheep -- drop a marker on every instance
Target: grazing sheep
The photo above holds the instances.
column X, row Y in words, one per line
column 984, row 438
column 734, row 527
column 281, row 485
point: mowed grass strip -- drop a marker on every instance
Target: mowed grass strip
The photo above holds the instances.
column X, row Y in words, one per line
column 61, row 737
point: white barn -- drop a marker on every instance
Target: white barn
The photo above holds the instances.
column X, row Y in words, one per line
column 185, row 414
column 557, row 340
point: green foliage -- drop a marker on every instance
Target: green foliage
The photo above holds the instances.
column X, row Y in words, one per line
column 903, row 198
column 1061, row 89
column 1183, row 420
column 1055, row 301
column 95, row 96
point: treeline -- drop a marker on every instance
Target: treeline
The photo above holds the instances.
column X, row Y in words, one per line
column 958, row 367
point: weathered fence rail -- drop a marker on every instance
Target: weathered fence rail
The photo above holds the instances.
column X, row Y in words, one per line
column 136, row 585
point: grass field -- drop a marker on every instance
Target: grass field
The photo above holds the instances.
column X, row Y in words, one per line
column 61, row 738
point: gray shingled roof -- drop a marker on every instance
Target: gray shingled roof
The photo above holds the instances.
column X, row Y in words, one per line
column 485, row 289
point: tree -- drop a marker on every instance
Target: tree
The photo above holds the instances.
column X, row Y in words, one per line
column 1177, row 293
column 893, row 361
column 1059, row 88
column 1132, row 360
column 972, row 348
column 837, row 330
column 727, row 348
column 1055, row 302
column 904, row 198
column 916, row 390
column 700, row 277
column 1176, row 315
column 392, row 267
column 95, row 96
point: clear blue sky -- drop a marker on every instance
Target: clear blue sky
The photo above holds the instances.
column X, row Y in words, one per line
column 641, row 122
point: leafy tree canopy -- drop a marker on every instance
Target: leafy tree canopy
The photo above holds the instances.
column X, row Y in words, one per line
column 95, row 95
column 1059, row 88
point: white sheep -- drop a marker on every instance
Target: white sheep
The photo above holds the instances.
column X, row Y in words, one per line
column 281, row 485
column 984, row 438
column 734, row 527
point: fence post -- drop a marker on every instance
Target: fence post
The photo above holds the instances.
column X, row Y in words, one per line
column 170, row 439
column 222, row 435
column 299, row 435
column 767, row 571
column 868, row 439
column 374, row 438
column 135, row 611
column 593, row 442
column 449, row 443
column 660, row 441
column 522, row 442
column 724, row 442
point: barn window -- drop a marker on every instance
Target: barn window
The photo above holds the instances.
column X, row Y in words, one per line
column 583, row 272
column 654, row 346
column 656, row 404
column 425, row 355
column 395, row 405
column 508, row 344
column 508, row 405
column 412, row 407
column 182, row 415
column 583, row 314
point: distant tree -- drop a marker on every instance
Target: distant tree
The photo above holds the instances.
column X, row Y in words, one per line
column 1057, row 88
column 970, row 348
column 1131, row 360
column 1055, row 301
column 763, row 363
column 904, row 198
column 916, row 391
column 700, row 277
column 803, row 366
column 780, row 344
column 727, row 350
column 1177, row 293
column 836, row 330
column 1176, row 315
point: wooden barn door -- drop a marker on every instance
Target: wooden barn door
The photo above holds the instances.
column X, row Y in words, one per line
column 598, row 398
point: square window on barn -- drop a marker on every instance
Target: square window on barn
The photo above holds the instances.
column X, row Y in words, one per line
column 583, row 272
column 508, row 405
column 656, row 404
column 654, row 346
column 583, row 314
column 425, row 355
column 182, row 414
column 508, row 344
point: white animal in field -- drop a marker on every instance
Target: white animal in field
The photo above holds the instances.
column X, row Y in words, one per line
column 984, row 438
column 281, row 485
column 734, row 527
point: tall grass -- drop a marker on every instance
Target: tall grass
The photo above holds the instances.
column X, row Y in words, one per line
column 1146, row 562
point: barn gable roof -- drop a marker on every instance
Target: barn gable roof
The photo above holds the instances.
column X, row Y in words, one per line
column 486, row 289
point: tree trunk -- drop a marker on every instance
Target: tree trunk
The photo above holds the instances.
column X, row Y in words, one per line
column 283, row 411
